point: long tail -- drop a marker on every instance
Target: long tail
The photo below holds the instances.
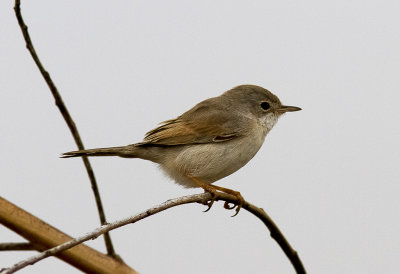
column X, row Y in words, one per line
column 124, row 151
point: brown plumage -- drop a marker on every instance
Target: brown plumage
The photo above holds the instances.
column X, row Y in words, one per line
column 208, row 142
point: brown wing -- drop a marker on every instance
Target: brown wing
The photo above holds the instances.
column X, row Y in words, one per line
column 207, row 122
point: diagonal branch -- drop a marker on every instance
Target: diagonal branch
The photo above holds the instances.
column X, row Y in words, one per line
column 67, row 117
column 42, row 236
column 275, row 233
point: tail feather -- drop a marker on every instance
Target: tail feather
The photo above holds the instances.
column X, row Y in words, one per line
column 123, row 151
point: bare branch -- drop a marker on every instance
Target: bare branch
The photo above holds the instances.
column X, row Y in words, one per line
column 198, row 198
column 43, row 236
column 68, row 119
column 16, row 246
column 105, row 228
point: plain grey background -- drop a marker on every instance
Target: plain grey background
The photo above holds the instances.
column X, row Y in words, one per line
column 328, row 175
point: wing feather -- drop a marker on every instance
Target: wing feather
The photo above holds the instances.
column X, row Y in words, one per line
column 207, row 122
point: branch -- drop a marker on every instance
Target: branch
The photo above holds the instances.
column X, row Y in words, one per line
column 43, row 236
column 16, row 246
column 198, row 198
column 67, row 117
column 104, row 229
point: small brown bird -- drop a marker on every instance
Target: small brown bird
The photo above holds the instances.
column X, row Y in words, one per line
column 208, row 142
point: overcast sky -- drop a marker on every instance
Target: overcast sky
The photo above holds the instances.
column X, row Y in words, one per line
column 328, row 175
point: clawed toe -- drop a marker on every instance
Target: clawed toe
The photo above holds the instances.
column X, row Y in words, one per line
column 238, row 206
column 213, row 190
column 210, row 202
column 228, row 206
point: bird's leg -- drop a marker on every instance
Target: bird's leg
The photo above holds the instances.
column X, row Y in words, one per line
column 213, row 190
column 207, row 188
column 238, row 196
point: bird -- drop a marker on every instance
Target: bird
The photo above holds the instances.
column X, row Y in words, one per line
column 208, row 142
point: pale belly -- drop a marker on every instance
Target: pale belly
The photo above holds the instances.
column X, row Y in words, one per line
column 211, row 162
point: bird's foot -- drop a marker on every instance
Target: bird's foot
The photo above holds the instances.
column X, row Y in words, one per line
column 209, row 203
column 213, row 190
column 239, row 197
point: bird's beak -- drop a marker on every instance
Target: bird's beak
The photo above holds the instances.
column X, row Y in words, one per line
column 284, row 109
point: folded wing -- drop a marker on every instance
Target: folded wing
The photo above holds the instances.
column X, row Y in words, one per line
column 205, row 123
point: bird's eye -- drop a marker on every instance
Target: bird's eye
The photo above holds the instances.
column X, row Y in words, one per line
column 265, row 105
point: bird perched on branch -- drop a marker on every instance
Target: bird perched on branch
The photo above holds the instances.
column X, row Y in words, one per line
column 212, row 140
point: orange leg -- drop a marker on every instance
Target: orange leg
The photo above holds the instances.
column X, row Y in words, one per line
column 207, row 188
column 213, row 190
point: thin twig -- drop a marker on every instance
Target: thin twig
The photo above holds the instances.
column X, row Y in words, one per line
column 16, row 246
column 197, row 198
column 67, row 117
